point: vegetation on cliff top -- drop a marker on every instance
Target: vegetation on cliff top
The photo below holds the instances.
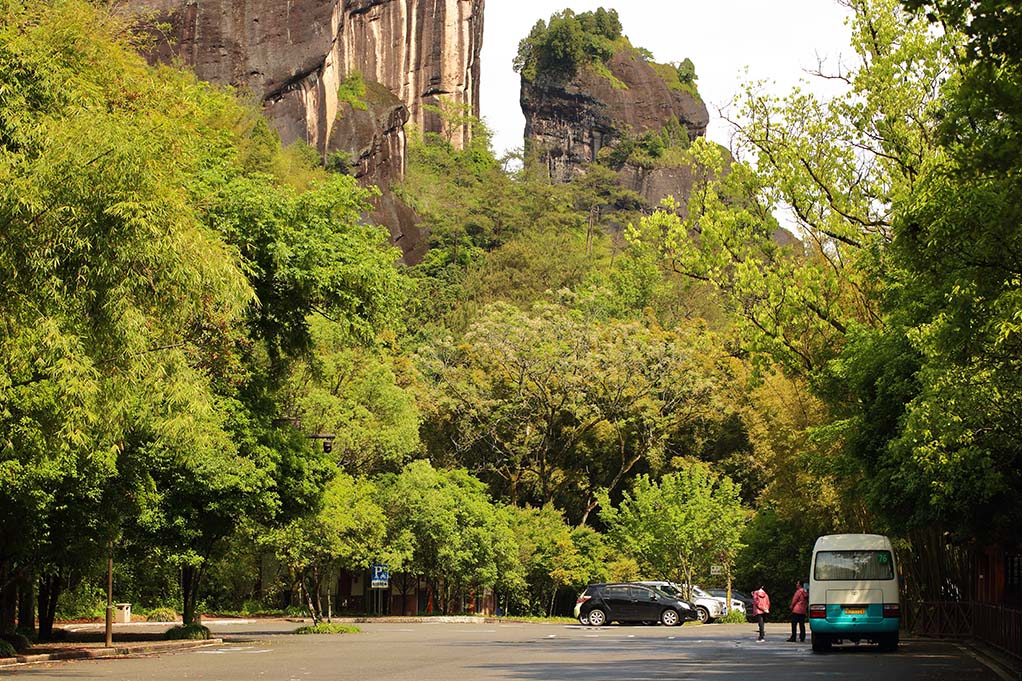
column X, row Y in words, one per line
column 559, row 48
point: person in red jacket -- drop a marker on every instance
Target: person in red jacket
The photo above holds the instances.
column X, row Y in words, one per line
column 760, row 609
column 799, row 603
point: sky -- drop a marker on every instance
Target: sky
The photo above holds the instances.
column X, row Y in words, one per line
column 730, row 42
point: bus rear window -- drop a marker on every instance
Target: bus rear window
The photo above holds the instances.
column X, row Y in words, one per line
column 853, row 565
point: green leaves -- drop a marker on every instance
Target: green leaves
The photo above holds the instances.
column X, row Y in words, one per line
column 553, row 404
column 679, row 525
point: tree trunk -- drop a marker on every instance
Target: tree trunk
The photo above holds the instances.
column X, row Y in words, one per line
column 8, row 600
column 404, row 594
column 26, row 603
column 50, row 587
column 312, row 596
column 191, row 577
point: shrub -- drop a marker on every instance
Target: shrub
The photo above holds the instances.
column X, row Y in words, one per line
column 296, row 611
column 732, row 617
column 6, row 649
column 353, row 91
column 161, row 615
column 85, row 601
column 328, row 628
column 191, row 632
column 18, row 641
column 253, row 607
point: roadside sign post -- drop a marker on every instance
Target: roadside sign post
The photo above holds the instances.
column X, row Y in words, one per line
column 380, row 576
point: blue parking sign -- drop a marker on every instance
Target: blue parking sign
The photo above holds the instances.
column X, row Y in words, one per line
column 380, row 576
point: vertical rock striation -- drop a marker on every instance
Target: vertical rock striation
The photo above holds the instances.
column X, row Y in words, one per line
column 295, row 54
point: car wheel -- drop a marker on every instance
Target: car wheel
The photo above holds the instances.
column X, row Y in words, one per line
column 821, row 644
column 583, row 620
column 597, row 618
column 670, row 618
column 704, row 614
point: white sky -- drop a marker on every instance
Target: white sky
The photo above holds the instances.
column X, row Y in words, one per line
column 730, row 42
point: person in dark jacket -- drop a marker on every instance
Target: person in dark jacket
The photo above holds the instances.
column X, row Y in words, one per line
column 760, row 609
column 799, row 603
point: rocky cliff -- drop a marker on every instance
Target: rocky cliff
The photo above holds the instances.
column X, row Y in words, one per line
column 294, row 55
column 568, row 121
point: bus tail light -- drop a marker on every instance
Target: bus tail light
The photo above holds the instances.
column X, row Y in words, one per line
column 817, row 611
column 892, row 610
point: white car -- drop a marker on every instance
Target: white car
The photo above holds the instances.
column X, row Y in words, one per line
column 708, row 607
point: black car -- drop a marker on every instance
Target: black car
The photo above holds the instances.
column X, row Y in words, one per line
column 602, row 603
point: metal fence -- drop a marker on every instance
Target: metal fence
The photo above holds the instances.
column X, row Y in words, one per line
column 995, row 625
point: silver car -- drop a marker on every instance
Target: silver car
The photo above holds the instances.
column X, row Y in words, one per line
column 708, row 607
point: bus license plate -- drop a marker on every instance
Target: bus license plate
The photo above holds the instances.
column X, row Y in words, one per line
column 855, row 611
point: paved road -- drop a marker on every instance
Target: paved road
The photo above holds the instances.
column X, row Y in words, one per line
column 523, row 652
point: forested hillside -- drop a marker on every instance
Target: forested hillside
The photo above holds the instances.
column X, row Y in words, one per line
column 212, row 369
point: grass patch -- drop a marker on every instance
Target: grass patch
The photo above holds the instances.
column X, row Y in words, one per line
column 353, row 91
column 328, row 628
column 604, row 71
column 161, row 615
column 669, row 74
column 538, row 619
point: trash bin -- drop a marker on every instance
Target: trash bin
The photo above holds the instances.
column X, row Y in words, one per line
column 123, row 613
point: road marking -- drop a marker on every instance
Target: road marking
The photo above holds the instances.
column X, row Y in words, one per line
column 552, row 636
column 244, row 650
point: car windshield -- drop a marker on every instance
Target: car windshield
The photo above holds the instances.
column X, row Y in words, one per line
column 853, row 565
column 696, row 591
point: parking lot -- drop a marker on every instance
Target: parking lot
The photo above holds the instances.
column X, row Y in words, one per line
column 432, row 651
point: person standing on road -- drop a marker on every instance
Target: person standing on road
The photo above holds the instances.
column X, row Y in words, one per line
column 799, row 602
column 760, row 609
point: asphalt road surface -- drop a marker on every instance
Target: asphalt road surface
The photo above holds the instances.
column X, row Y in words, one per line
column 524, row 652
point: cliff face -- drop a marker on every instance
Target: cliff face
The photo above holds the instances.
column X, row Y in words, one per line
column 568, row 122
column 295, row 54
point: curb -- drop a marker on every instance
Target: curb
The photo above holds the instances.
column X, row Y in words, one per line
column 121, row 650
column 438, row 619
column 1005, row 666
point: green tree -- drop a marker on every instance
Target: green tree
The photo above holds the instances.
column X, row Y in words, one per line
column 454, row 534
column 679, row 526
column 518, row 399
column 354, row 394
column 548, row 554
column 347, row 533
column 103, row 260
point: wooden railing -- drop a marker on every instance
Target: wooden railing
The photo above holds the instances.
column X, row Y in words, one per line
column 995, row 625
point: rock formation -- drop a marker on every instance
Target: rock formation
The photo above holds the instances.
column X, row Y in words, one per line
column 568, row 122
column 295, row 54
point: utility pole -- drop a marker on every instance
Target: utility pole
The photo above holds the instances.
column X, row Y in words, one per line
column 110, row 597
